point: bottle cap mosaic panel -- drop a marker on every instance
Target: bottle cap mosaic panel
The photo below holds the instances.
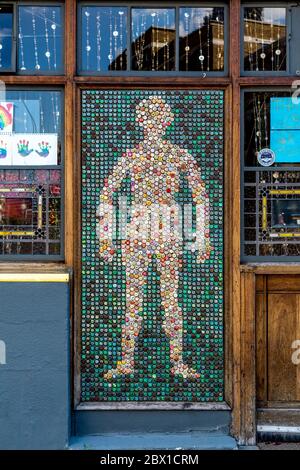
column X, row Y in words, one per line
column 152, row 304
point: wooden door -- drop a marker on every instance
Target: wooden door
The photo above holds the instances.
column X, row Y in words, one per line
column 277, row 349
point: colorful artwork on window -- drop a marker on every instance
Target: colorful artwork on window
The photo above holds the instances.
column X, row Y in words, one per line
column 30, row 212
column 270, row 194
column 152, row 246
column 5, row 149
column 6, row 117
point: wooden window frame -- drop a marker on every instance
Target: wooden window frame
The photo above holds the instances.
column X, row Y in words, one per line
column 176, row 5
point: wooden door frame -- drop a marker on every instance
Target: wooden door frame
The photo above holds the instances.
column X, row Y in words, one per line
column 134, row 83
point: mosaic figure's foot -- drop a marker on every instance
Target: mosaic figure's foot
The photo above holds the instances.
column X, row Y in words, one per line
column 184, row 370
column 123, row 368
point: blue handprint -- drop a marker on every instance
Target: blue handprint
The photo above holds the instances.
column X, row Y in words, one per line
column 3, row 149
column 44, row 149
column 23, row 149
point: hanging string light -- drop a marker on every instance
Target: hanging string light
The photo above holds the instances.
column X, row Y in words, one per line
column 47, row 53
column 110, row 56
column 21, row 44
column 272, row 40
column 201, row 56
column 157, row 42
column 208, row 42
column 88, row 46
column 42, row 119
column 98, row 39
column 250, row 37
column 121, row 14
column 53, row 27
column 153, row 14
column 115, row 36
column 37, row 65
column 278, row 50
column 255, row 37
column 165, row 41
column 262, row 54
column 168, row 42
column 187, row 47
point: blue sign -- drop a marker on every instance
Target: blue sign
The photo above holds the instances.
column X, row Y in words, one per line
column 285, row 130
column 286, row 145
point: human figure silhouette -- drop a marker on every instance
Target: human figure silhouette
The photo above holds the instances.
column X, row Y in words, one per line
column 154, row 166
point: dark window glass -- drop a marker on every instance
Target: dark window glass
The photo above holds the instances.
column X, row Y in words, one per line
column 40, row 47
column 265, row 39
column 6, row 37
column 153, row 39
column 30, row 174
column 201, row 45
column 271, row 189
column 103, row 38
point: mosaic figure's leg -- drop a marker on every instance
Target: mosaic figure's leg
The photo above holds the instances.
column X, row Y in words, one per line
column 173, row 322
column 136, row 264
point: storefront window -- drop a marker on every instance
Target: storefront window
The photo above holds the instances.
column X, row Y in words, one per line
column 201, row 39
column 153, row 39
column 265, row 31
column 104, row 38
column 6, row 38
column 31, row 174
column 271, row 191
column 40, row 46
column 135, row 39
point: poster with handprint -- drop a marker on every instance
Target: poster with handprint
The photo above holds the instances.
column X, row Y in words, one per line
column 6, row 117
column 5, row 150
column 34, row 149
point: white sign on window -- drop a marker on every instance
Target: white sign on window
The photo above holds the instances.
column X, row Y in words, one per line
column 28, row 149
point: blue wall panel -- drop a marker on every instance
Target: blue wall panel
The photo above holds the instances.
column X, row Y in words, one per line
column 34, row 382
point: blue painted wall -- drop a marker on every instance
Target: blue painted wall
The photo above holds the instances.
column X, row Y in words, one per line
column 34, row 382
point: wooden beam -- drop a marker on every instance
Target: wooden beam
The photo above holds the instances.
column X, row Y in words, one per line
column 247, row 435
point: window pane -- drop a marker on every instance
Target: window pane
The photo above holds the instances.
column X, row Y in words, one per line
column 271, row 192
column 104, row 39
column 264, row 39
column 30, row 197
column 40, row 48
column 153, row 39
column 201, row 45
column 6, row 35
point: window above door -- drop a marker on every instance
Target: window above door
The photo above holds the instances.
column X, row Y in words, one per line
column 187, row 38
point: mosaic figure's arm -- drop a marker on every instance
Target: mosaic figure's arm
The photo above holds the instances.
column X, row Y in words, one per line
column 201, row 200
column 106, row 211
column 114, row 180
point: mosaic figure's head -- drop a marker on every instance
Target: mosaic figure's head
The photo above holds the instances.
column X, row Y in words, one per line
column 154, row 115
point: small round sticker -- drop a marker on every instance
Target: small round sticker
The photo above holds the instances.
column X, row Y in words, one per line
column 266, row 157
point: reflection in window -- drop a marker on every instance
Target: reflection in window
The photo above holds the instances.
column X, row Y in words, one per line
column 6, row 37
column 30, row 173
column 201, row 45
column 30, row 225
column 104, row 38
column 264, row 39
column 153, row 39
column 40, row 39
column 271, row 189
